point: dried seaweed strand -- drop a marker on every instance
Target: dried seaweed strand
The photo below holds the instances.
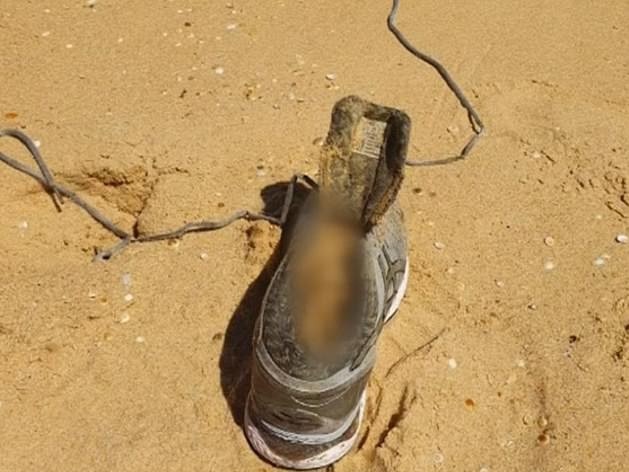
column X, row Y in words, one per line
column 477, row 125
column 57, row 190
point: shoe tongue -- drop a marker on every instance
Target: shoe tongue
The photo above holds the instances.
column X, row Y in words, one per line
column 387, row 172
column 361, row 163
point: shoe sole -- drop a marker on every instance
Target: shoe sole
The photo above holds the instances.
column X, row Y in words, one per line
column 336, row 452
column 323, row 459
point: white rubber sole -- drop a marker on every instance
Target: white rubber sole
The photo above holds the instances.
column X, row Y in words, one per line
column 322, row 459
column 397, row 300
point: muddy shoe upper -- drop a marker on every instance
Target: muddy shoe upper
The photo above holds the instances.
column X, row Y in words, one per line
column 341, row 278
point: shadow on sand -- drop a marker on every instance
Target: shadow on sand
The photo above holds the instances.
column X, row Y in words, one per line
column 235, row 361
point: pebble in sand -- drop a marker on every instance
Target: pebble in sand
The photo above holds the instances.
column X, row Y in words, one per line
column 126, row 279
column 549, row 265
column 600, row 261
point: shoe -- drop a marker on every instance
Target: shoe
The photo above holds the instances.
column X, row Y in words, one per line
column 342, row 277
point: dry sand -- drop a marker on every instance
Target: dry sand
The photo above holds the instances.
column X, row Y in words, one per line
column 531, row 370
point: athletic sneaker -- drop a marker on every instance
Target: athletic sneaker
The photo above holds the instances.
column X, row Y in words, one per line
column 341, row 279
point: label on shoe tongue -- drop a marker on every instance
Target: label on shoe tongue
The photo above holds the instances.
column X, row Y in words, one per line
column 369, row 138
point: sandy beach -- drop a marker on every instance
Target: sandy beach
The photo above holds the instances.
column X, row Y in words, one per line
column 510, row 351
